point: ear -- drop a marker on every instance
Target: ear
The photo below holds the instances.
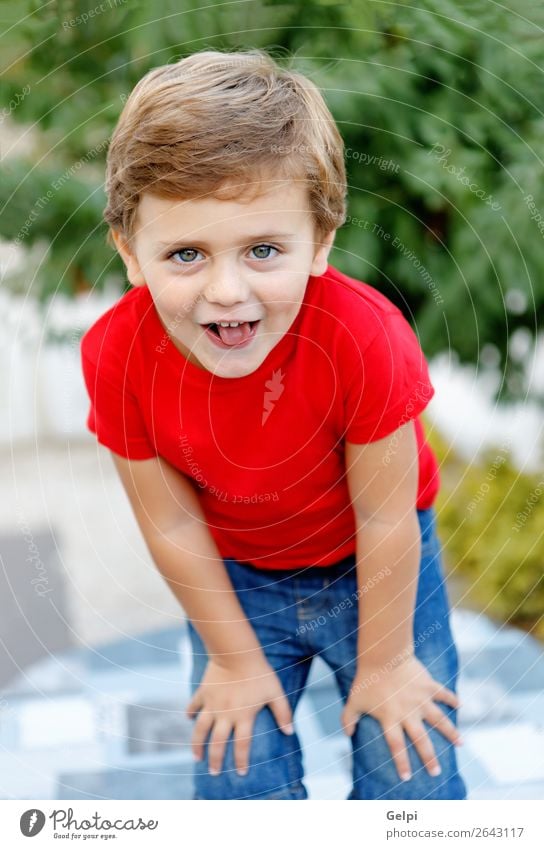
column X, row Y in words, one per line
column 321, row 256
column 134, row 271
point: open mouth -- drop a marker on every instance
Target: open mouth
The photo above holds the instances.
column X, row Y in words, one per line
column 232, row 337
column 215, row 327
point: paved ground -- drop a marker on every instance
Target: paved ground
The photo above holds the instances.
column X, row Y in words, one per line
column 64, row 499
column 109, row 724
column 94, row 660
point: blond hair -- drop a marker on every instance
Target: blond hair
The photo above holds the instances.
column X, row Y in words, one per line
column 219, row 123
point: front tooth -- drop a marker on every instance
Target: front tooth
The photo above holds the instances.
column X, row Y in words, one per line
column 224, row 323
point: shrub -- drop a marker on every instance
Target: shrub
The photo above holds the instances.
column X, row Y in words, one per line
column 491, row 522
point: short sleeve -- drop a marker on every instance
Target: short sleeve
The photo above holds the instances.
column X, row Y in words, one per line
column 114, row 415
column 390, row 383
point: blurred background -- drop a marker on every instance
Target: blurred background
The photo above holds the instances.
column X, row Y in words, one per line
column 441, row 109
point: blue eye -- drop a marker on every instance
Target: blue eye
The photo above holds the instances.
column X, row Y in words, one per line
column 187, row 255
column 266, row 248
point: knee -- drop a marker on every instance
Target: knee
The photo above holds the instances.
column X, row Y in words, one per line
column 275, row 767
column 211, row 787
column 263, row 781
column 375, row 775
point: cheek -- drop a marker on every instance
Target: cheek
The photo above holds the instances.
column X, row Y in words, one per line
column 284, row 293
column 173, row 296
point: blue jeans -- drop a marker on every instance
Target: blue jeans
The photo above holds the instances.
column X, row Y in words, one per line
column 297, row 614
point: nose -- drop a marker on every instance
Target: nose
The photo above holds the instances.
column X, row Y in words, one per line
column 226, row 285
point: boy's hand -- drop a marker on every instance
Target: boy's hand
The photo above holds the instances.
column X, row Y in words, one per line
column 228, row 699
column 401, row 698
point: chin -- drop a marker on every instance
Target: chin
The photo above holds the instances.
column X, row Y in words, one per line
column 231, row 370
column 235, row 364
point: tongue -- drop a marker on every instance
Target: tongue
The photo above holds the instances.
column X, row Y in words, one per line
column 235, row 335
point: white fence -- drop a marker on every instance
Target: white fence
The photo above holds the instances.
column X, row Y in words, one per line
column 41, row 385
column 42, row 391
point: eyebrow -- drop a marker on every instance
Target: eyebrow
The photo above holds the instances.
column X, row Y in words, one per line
column 248, row 240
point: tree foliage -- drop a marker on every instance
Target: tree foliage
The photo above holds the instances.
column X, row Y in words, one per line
column 440, row 104
column 491, row 520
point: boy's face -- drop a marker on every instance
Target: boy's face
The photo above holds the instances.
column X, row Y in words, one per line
column 211, row 260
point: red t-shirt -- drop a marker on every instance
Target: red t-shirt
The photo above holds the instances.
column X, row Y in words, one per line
column 265, row 452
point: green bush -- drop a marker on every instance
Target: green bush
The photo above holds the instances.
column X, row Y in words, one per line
column 440, row 104
column 491, row 522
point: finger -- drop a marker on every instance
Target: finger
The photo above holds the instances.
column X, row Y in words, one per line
column 394, row 737
column 422, row 742
column 443, row 694
column 194, row 705
column 242, row 741
column 438, row 719
column 350, row 718
column 200, row 732
column 283, row 715
column 217, row 744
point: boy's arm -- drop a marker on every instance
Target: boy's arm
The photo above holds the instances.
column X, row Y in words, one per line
column 238, row 680
column 382, row 479
column 171, row 520
column 390, row 682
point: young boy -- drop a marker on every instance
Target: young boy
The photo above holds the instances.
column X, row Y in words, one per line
column 262, row 412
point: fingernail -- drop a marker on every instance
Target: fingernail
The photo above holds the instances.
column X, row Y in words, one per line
column 435, row 770
column 289, row 729
column 406, row 776
column 460, row 741
column 214, row 771
column 242, row 772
